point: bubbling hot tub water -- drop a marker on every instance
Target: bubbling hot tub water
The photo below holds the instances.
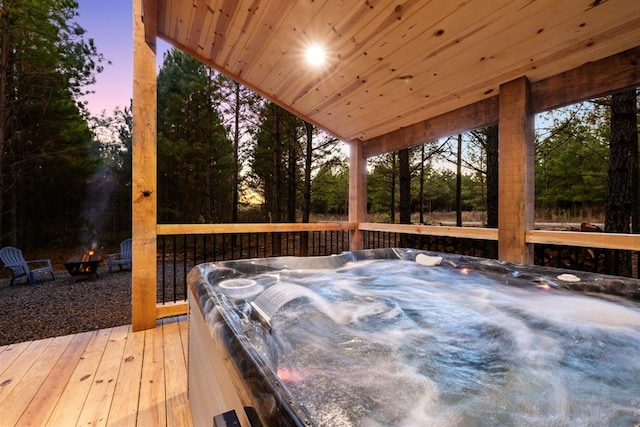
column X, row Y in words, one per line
column 379, row 342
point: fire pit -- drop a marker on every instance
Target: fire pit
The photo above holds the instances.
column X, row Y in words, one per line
column 85, row 269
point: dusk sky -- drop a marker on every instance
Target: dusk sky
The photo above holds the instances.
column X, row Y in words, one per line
column 111, row 29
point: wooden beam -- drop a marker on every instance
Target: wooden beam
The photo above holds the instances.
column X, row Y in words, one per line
column 593, row 79
column 144, row 159
column 588, row 240
column 516, row 172
column 172, row 309
column 478, row 115
column 357, row 192
column 433, row 230
column 150, row 20
column 612, row 74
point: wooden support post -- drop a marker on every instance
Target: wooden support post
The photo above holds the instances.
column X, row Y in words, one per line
column 357, row 192
column 144, row 159
column 516, row 172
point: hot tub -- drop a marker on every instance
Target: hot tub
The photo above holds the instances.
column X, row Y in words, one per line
column 402, row 337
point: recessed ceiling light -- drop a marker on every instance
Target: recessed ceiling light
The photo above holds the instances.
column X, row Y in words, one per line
column 315, row 55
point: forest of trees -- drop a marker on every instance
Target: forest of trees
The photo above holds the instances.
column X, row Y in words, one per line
column 227, row 155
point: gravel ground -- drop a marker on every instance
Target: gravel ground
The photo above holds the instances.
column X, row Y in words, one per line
column 59, row 307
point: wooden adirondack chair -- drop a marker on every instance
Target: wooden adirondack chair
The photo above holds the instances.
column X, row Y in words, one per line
column 14, row 260
column 121, row 258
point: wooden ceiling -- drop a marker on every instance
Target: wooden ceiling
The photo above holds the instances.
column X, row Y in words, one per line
column 392, row 64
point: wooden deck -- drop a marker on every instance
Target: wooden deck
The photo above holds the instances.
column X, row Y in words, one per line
column 111, row 377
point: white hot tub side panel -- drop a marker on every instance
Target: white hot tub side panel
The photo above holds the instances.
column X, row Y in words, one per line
column 211, row 389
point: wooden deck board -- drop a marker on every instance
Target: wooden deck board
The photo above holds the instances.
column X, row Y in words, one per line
column 95, row 411
column 69, row 407
column 124, row 407
column 45, row 399
column 17, row 400
column 151, row 409
column 112, row 377
column 14, row 372
column 9, row 353
column 176, row 381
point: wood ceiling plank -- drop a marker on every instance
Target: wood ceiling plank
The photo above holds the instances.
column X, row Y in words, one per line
column 390, row 89
column 468, row 83
column 562, row 60
column 363, row 50
column 590, row 80
column 287, row 56
column 392, row 94
column 259, row 54
column 201, row 17
column 241, row 31
column 283, row 53
column 164, row 16
column 175, row 27
column 246, row 60
column 221, row 29
column 245, row 24
column 341, row 31
column 454, row 58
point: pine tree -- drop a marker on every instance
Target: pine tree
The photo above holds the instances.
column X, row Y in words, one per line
column 45, row 145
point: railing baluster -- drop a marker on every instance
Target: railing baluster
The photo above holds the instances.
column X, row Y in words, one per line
column 175, row 259
column 164, row 257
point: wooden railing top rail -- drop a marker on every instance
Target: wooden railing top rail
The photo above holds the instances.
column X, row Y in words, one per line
column 169, row 229
column 433, row 230
column 567, row 238
column 592, row 240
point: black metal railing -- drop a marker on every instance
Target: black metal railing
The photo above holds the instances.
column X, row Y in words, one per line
column 596, row 260
column 455, row 245
column 178, row 254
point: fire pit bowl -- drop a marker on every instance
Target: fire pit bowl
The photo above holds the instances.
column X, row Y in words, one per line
column 85, row 269
column 404, row 337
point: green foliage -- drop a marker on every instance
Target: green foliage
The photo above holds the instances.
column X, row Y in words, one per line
column 46, row 149
column 195, row 154
column 330, row 189
column 440, row 190
column 571, row 164
column 380, row 180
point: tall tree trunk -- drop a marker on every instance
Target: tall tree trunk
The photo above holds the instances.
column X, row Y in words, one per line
column 4, row 77
column 491, row 149
column 236, row 149
column 306, row 209
column 210, row 192
column 276, row 204
column 405, row 186
column 292, row 176
column 620, row 177
column 492, row 175
column 422, row 184
column 404, row 175
column 277, row 187
column 635, row 178
column 459, row 184
column 392, row 204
